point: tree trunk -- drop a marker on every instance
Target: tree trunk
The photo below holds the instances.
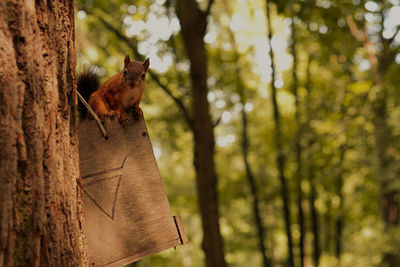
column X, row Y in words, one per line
column 280, row 158
column 250, row 177
column 41, row 217
column 381, row 60
column 314, row 218
column 194, row 24
column 298, row 149
column 245, row 152
column 385, row 172
column 310, row 170
column 327, row 230
column 253, row 188
column 339, row 223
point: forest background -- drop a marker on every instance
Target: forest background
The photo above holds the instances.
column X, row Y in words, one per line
column 295, row 104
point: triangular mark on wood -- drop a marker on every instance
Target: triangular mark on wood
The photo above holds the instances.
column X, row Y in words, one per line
column 103, row 193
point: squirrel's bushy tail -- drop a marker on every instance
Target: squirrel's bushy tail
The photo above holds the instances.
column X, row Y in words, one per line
column 88, row 82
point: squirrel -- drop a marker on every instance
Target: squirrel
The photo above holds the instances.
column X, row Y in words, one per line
column 119, row 94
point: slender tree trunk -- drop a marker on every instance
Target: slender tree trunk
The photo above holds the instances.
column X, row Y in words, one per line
column 339, row 220
column 41, row 219
column 326, row 226
column 280, row 159
column 271, row 225
column 252, row 182
column 298, row 148
column 313, row 210
column 314, row 218
column 194, row 24
column 245, row 153
column 339, row 223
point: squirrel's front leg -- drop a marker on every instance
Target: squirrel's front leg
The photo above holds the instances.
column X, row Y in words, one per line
column 122, row 117
column 99, row 107
column 137, row 112
column 117, row 109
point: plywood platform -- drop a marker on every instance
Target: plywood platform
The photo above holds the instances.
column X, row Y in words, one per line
column 127, row 213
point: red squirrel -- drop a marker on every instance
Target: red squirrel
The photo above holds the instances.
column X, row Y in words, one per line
column 119, row 94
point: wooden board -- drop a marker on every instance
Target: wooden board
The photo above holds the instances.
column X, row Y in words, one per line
column 126, row 209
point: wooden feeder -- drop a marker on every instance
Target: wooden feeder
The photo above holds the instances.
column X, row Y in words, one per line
column 126, row 209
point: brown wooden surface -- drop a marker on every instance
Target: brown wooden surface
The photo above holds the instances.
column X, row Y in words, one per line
column 126, row 209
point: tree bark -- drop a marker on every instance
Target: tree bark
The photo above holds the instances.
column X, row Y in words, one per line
column 41, row 217
column 280, row 158
column 194, row 24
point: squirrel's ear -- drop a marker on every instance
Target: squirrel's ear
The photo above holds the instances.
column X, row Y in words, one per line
column 146, row 64
column 127, row 60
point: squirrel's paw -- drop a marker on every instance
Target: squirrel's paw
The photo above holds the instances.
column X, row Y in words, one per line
column 112, row 114
column 137, row 113
column 123, row 119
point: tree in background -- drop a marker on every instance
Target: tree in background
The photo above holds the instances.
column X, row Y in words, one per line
column 280, row 156
column 245, row 144
column 194, row 25
column 381, row 55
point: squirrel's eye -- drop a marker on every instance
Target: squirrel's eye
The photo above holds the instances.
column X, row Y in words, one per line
column 125, row 72
column 143, row 76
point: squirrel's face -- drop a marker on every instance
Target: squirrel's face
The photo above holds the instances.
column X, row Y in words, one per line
column 134, row 73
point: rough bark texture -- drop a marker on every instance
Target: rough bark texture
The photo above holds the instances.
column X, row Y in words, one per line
column 194, row 23
column 40, row 199
column 280, row 158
